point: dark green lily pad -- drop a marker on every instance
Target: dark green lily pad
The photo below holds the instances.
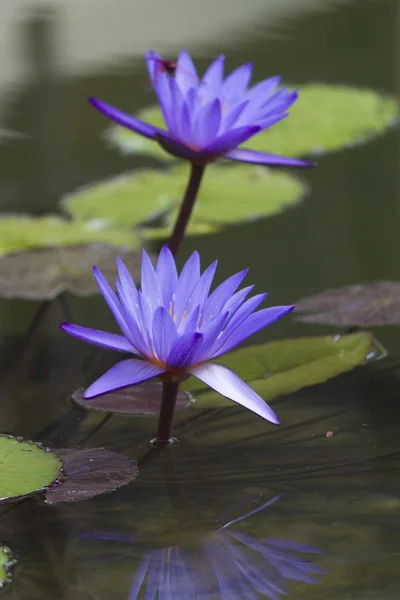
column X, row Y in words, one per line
column 44, row 273
column 7, row 563
column 325, row 118
column 141, row 399
column 285, row 366
column 89, row 473
column 365, row 305
column 227, row 195
column 23, row 232
column 25, row 468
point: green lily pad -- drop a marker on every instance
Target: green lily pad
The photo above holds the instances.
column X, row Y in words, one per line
column 227, row 195
column 25, row 468
column 44, row 273
column 22, row 232
column 6, row 565
column 325, row 118
column 285, row 366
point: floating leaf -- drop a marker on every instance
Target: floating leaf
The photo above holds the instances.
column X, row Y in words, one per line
column 23, row 232
column 45, row 273
column 365, row 305
column 25, row 468
column 140, row 399
column 285, row 366
column 6, row 564
column 89, row 473
column 227, row 195
column 325, row 118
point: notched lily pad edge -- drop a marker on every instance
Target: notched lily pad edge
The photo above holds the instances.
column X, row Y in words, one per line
column 15, row 499
column 9, row 566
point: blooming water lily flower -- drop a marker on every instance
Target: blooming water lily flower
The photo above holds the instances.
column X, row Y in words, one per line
column 176, row 328
column 210, row 117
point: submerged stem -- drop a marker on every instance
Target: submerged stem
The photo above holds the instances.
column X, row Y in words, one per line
column 189, row 199
column 168, row 401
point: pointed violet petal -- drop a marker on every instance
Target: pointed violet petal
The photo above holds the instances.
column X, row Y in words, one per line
column 188, row 278
column 211, row 81
column 133, row 319
column 185, row 75
column 128, row 286
column 113, row 303
column 123, row 374
column 164, row 333
column 228, row 384
column 222, row 294
column 236, row 83
column 229, row 140
column 149, row 286
column 112, row 341
column 262, row 158
column 167, row 275
column 183, row 350
column 202, row 287
column 206, row 126
column 178, row 149
column 237, row 318
column 262, row 91
column 190, row 322
column 211, row 330
column 153, row 63
column 125, row 119
column 251, row 325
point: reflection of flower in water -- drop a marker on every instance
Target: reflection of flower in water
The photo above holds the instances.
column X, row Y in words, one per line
column 226, row 564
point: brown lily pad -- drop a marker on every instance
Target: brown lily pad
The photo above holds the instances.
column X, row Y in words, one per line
column 368, row 305
column 42, row 274
column 141, row 399
column 89, row 473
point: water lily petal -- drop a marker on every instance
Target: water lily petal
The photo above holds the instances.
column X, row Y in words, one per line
column 125, row 119
column 164, row 333
column 231, row 139
column 183, row 350
column 123, row 374
column 112, row 341
column 228, row 384
column 262, row 158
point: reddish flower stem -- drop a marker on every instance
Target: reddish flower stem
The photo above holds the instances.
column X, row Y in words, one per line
column 168, row 401
column 189, row 199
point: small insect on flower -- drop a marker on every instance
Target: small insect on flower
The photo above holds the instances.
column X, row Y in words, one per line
column 171, row 68
column 175, row 328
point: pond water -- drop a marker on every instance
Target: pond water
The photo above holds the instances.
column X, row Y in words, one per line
column 334, row 462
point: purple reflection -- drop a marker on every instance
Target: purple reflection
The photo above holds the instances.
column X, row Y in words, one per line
column 228, row 564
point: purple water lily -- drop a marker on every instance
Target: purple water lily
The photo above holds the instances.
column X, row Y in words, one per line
column 176, row 328
column 210, row 117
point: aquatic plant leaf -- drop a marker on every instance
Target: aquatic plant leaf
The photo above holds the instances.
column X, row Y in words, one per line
column 221, row 198
column 285, row 366
column 44, row 273
column 89, row 473
column 366, row 305
column 141, row 399
column 6, row 564
column 23, row 232
column 325, row 118
column 25, row 468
